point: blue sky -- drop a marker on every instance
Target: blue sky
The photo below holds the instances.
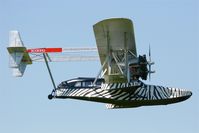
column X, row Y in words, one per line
column 172, row 29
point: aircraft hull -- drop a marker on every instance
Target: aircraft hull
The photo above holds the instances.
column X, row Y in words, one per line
column 128, row 96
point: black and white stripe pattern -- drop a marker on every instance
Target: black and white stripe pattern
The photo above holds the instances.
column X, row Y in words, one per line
column 121, row 85
column 117, row 92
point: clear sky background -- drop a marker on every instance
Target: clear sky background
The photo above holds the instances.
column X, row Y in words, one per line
column 172, row 29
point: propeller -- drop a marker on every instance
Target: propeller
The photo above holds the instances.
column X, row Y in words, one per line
column 150, row 63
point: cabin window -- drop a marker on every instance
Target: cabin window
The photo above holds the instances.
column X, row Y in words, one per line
column 78, row 84
column 86, row 84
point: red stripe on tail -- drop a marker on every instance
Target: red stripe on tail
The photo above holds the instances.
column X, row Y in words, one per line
column 44, row 50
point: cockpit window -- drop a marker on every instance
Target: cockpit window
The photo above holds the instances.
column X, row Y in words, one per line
column 87, row 83
column 63, row 85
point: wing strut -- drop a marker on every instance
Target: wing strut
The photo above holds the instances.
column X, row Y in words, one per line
column 100, row 72
column 51, row 77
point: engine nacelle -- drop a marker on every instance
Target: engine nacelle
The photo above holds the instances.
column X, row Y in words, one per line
column 138, row 68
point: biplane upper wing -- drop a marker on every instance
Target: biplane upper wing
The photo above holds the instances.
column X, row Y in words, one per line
column 116, row 47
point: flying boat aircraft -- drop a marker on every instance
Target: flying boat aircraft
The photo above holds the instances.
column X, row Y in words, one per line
column 119, row 82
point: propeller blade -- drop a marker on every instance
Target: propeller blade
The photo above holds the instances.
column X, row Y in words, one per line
column 149, row 72
column 149, row 53
column 150, row 63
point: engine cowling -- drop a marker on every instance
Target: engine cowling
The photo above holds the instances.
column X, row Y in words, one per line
column 138, row 69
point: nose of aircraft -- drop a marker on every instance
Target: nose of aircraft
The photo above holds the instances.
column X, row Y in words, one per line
column 189, row 93
column 181, row 94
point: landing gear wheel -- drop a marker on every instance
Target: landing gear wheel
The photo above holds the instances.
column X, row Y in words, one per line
column 50, row 96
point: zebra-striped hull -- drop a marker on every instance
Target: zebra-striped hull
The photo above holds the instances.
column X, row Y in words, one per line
column 144, row 95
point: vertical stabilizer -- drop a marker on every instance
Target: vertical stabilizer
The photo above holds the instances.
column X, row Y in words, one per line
column 18, row 55
column 15, row 59
column 15, row 39
column 18, row 72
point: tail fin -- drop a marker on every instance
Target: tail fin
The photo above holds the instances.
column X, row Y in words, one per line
column 19, row 58
column 15, row 39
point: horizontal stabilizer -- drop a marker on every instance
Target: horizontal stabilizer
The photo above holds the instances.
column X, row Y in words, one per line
column 17, row 55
